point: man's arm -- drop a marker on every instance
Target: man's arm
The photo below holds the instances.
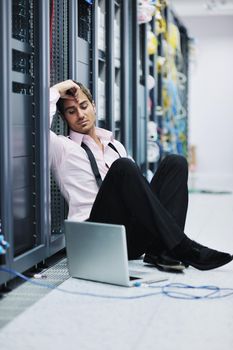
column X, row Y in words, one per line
column 56, row 149
column 66, row 85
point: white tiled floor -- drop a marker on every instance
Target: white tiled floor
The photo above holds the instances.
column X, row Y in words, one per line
column 64, row 321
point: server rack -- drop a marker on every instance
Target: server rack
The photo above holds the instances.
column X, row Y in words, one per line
column 153, row 149
column 4, row 146
column 84, row 42
column 168, row 114
column 117, row 76
column 99, row 43
column 71, row 57
column 143, row 98
column 24, row 210
column 173, row 87
column 59, row 70
column 126, row 136
column 107, row 82
column 99, row 63
column 160, row 73
column 112, row 68
column 184, row 84
column 134, row 81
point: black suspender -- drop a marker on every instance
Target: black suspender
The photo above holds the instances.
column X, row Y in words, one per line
column 92, row 160
column 93, row 164
column 114, row 148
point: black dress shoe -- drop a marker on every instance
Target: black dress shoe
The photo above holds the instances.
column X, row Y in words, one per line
column 164, row 262
column 199, row 256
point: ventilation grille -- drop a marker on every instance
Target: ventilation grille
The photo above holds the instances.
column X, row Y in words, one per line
column 59, row 71
column 84, row 21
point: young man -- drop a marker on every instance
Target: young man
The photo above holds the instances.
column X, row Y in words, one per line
column 101, row 184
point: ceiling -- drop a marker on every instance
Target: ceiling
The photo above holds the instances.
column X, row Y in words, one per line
column 202, row 7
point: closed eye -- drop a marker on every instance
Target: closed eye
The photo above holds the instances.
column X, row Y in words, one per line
column 84, row 105
column 72, row 111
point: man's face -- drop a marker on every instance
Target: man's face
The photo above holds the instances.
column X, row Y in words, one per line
column 80, row 114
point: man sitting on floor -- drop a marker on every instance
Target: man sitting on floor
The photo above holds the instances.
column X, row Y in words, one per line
column 102, row 184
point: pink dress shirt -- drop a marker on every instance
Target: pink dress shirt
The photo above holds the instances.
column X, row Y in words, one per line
column 71, row 166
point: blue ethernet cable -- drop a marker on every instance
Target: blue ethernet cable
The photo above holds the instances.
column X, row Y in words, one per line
column 171, row 290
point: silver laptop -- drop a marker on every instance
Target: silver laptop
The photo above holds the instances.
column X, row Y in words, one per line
column 98, row 252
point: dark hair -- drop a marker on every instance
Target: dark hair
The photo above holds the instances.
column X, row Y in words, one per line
column 86, row 91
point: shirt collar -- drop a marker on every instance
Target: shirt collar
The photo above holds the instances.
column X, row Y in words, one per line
column 103, row 134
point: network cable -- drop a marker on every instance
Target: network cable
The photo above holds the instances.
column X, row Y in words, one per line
column 171, row 290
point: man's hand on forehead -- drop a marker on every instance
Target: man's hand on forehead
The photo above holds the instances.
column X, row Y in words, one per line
column 68, row 89
column 72, row 93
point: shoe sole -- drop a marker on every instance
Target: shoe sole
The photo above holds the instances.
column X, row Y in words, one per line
column 169, row 268
column 179, row 267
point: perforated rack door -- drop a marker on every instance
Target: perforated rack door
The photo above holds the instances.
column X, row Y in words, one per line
column 184, row 69
column 23, row 126
column 2, row 258
column 84, row 43
column 59, row 71
column 117, row 59
column 84, row 21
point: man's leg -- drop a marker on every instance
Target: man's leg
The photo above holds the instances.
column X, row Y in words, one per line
column 169, row 184
column 126, row 195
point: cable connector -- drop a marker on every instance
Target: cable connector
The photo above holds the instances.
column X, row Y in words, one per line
column 4, row 245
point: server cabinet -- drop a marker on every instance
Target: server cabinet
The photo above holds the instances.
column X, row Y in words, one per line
column 24, row 180
column 117, row 76
column 99, row 63
column 59, row 71
column 84, row 43
column 70, row 58
column 183, row 67
column 136, row 91
column 4, row 146
column 172, row 114
column 143, row 98
column 113, row 77
column 153, row 149
column 110, row 54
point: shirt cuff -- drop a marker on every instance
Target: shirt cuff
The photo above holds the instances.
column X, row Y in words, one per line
column 54, row 95
column 53, row 98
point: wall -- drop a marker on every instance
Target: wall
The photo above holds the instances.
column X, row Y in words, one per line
column 211, row 97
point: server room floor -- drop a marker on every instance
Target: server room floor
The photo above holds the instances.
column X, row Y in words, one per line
column 57, row 320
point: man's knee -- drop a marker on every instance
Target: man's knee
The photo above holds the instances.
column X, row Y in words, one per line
column 177, row 162
column 123, row 165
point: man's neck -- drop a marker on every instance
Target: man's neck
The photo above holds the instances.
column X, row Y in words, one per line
column 93, row 135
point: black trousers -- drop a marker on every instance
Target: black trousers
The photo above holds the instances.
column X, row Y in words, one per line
column 153, row 213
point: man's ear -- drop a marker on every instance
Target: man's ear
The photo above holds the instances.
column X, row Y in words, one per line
column 61, row 116
column 94, row 107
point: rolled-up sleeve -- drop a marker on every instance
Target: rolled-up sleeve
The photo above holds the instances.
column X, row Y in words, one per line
column 56, row 148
